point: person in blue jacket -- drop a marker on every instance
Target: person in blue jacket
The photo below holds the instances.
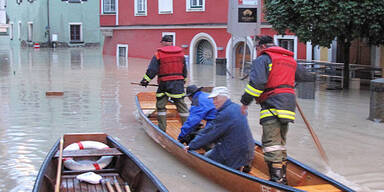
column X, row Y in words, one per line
column 202, row 108
column 234, row 144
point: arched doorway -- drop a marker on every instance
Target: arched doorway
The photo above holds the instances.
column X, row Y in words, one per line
column 239, row 53
column 204, row 53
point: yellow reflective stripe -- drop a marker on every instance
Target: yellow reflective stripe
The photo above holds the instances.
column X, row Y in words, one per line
column 266, row 115
column 286, row 117
column 270, row 67
column 278, row 112
column 175, row 95
column 147, row 78
column 285, row 111
column 252, row 91
column 160, row 94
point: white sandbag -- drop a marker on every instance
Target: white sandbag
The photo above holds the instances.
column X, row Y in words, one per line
column 89, row 177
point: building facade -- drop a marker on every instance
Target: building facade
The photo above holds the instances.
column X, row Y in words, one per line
column 3, row 18
column 134, row 28
column 58, row 23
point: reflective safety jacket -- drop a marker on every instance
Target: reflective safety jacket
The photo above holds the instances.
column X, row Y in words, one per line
column 281, row 78
column 167, row 86
column 171, row 63
column 272, row 79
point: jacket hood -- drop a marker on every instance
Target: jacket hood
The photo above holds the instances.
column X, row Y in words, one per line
column 170, row 49
column 279, row 50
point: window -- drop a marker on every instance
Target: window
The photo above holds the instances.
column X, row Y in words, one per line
column 122, row 55
column 109, row 6
column 19, row 31
column 288, row 42
column 30, row 31
column 74, row 1
column 173, row 34
column 75, row 32
column 140, row 7
column 11, row 30
column 165, row 6
column 195, row 5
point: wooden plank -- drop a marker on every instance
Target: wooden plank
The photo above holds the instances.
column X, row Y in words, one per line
column 70, row 172
column 90, row 153
column 77, row 137
column 319, row 188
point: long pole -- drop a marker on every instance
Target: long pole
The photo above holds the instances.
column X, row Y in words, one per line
column 58, row 175
column 314, row 136
column 48, row 25
column 243, row 61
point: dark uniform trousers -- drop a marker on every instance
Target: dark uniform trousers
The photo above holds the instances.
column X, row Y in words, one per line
column 175, row 91
column 274, row 140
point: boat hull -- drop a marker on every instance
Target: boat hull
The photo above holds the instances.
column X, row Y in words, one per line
column 299, row 175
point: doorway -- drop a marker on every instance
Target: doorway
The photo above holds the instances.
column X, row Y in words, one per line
column 204, row 53
column 239, row 54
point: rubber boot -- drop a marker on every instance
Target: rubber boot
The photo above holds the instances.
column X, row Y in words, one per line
column 285, row 181
column 276, row 172
column 162, row 119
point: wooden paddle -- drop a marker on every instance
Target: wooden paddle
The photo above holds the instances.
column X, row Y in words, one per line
column 205, row 89
column 109, row 186
column 58, row 175
column 314, row 136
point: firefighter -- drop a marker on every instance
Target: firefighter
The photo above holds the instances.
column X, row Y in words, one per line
column 168, row 64
column 271, row 84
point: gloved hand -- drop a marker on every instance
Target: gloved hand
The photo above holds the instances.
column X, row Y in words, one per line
column 181, row 140
column 144, row 83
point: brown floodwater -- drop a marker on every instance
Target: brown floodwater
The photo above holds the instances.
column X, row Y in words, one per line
column 99, row 97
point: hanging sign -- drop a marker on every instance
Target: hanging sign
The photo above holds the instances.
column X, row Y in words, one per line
column 247, row 15
column 244, row 17
column 247, row 2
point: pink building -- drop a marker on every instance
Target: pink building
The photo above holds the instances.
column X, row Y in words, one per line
column 134, row 28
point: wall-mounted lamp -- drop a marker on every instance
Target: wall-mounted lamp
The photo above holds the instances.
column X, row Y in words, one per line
column 220, row 48
column 184, row 46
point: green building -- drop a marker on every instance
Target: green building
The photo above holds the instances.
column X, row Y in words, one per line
column 63, row 23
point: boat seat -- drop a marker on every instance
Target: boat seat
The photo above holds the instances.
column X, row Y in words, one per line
column 90, row 153
column 152, row 105
column 319, row 188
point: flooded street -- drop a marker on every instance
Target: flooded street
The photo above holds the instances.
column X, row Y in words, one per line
column 98, row 97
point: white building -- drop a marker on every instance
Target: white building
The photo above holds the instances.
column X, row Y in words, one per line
column 3, row 18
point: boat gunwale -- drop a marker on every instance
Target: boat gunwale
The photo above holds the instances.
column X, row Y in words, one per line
column 44, row 166
column 247, row 176
column 160, row 186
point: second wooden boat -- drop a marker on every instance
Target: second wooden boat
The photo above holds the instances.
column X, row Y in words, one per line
column 122, row 171
column 300, row 176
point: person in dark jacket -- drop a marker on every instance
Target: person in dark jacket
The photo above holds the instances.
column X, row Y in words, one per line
column 202, row 108
column 272, row 78
column 234, row 144
column 168, row 64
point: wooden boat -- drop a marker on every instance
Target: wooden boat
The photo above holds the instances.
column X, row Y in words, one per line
column 300, row 176
column 125, row 171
